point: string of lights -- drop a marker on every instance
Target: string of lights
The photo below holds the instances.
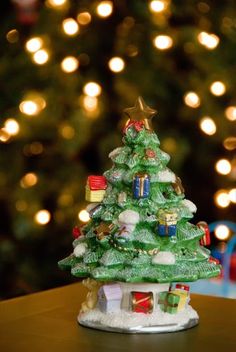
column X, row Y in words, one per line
column 74, row 68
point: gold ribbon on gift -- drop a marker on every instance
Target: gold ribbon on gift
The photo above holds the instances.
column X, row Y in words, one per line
column 142, row 177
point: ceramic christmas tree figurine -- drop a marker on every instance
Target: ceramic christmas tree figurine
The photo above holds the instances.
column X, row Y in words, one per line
column 139, row 248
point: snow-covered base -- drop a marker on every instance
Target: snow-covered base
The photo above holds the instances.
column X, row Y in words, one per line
column 129, row 322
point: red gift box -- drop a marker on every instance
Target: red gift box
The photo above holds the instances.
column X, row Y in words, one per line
column 142, row 302
column 206, row 239
column 182, row 287
column 96, row 183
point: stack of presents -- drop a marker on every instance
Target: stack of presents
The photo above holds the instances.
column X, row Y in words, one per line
column 172, row 301
column 167, row 218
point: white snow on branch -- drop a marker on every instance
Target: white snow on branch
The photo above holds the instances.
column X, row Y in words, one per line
column 167, row 258
column 129, row 217
column 91, row 206
column 166, row 176
column 80, row 249
column 190, row 205
column 115, row 152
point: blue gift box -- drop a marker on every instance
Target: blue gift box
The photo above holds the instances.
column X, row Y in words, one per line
column 141, row 186
column 166, row 230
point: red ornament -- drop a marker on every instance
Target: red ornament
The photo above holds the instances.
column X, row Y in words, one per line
column 206, row 239
column 26, row 11
column 76, row 232
column 213, row 260
column 150, row 153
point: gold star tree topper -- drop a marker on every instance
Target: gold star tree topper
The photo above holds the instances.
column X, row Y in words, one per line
column 141, row 112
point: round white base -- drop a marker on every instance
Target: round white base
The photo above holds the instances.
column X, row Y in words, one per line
column 129, row 322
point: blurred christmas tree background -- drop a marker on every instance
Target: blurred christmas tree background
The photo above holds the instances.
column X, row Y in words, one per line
column 68, row 69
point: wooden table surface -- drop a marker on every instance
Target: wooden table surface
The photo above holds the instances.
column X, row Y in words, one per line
column 46, row 321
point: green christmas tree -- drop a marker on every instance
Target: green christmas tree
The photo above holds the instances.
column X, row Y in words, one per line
column 140, row 231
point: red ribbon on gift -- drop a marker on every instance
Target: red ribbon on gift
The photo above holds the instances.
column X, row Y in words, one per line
column 138, row 125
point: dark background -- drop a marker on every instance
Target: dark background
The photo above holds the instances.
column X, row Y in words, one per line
column 28, row 251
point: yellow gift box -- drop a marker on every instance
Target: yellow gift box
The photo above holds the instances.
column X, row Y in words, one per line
column 167, row 217
column 94, row 196
column 184, row 298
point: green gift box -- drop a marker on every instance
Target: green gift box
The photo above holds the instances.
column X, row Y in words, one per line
column 168, row 302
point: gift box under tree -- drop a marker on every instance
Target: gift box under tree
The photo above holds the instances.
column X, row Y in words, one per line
column 168, row 302
column 142, row 302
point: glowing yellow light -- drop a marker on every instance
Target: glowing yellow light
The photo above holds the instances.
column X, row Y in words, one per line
column 116, row 64
column 34, row 44
column 65, row 200
column 41, row 57
column 232, row 195
column 12, row 127
column 90, row 103
column 84, row 216
column 92, row 89
column 70, row 26
column 221, row 199
column 12, row 36
column 230, row 143
column 42, row 217
column 34, row 148
column 4, row 135
column 157, row 6
column 67, row 131
column 192, row 99
column 208, row 125
column 210, row 41
column 105, row 8
column 223, row 166
column 222, row 232
column 217, row 88
column 163, row 42
column 84, row 18
column 56, row 3
column 21, row 205
column 29, row 107
column 29, row 180
column 230, row 113
column 69, row 64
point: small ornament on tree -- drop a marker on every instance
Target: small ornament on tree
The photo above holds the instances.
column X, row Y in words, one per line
column 142, row 113
column 206, row 239
column 95, row 188
column 177, row 185
column 150, row 153
column 27, row 11
column 121, row 244
column 138, row 125
column 77, row 232
column 122, row 198
column 167, row 221
column 103, row 230
column 141, row 185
